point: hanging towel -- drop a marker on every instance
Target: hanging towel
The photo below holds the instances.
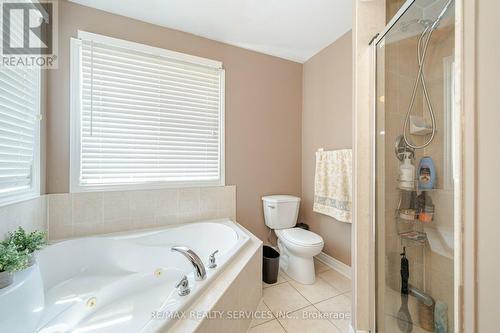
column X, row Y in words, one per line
column 333, row 184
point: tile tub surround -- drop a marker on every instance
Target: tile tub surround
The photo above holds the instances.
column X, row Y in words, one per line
column 83, row 214
column 324, row 306
column 238, row 288
column 29, row 214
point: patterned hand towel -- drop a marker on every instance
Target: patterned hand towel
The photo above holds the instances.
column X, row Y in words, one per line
column 333, row 184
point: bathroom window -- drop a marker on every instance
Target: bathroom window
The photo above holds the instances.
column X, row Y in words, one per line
column 144, row 117
column 19, row 133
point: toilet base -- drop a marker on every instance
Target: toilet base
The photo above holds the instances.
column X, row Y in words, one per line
column 300, row 269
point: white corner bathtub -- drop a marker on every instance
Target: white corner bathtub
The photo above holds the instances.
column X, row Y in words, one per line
column 115, row 283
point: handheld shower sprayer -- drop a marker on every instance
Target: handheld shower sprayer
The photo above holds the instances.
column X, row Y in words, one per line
column 422, row 44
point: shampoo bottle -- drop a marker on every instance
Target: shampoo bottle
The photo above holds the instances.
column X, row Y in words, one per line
column 406, row 173
column 426, row 173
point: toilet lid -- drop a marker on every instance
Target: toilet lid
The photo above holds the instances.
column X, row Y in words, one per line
column 301, row 236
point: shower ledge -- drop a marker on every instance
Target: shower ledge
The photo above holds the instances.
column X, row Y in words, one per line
column 440, row 240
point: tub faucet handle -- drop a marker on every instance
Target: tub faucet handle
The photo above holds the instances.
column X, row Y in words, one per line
column 211, row 260
column 183, row 286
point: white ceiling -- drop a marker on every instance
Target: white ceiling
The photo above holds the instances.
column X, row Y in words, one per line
column 290, row 29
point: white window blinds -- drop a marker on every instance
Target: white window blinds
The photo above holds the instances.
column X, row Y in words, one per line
column 19, row 132
column 146, row 116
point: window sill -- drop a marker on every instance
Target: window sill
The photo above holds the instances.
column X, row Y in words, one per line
column 145, row 186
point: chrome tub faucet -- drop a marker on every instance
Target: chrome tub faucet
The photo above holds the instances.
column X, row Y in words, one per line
column 198, row 268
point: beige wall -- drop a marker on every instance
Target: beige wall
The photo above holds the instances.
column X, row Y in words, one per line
column 327, row 123
column 263, row 108
column 488, row 164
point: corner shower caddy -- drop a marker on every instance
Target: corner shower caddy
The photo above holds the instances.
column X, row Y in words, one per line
column 410, row 229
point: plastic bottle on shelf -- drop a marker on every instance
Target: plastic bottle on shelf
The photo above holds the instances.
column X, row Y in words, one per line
column 426, row 173
column 427, row 213
column 407, row 173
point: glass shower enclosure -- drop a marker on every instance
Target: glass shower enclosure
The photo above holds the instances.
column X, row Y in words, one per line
column 416, row 170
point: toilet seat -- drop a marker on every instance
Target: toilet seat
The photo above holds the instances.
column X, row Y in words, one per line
column 300, row 237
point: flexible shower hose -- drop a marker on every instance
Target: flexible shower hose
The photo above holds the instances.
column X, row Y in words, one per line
column 422, row 44
column 425, row 36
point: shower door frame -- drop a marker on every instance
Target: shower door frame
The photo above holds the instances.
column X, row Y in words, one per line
column 459, row 316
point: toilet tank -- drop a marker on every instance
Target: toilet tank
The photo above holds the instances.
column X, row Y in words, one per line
column 281, row 211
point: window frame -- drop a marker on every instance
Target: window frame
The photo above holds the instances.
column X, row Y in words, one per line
column 34, row 190
column 75, row 115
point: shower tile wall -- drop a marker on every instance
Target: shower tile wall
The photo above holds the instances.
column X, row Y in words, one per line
column 429, row 271
column 439, row 269
column 440, row 48
column 400, row 72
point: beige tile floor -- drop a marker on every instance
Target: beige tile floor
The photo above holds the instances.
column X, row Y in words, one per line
column 324, row 306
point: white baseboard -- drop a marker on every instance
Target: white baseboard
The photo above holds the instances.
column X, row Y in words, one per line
column 335, row 264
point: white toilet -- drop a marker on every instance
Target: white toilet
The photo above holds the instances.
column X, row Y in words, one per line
column 297, row 246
